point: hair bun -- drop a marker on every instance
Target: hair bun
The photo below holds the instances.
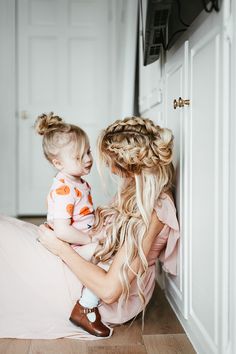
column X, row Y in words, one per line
column 162, row 146
column 46, row 123
column 166, row 146
column 166, row 136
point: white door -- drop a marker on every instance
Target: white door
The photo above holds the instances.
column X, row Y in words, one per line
column 62, row 66
column 175, row 88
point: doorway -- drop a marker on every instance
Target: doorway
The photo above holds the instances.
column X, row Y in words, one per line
column 62, row 66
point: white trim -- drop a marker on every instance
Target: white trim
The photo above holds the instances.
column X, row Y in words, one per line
column 186, row 185
column 225, row 285
column 232, row 191
column 177, row 65
column 218, row 159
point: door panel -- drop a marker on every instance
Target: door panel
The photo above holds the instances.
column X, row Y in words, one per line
column 204, row 196
column 62, row 49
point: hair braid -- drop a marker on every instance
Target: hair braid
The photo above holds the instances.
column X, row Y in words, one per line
column 154, row 148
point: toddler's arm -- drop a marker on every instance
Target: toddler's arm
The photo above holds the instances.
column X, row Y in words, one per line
column 69, row 233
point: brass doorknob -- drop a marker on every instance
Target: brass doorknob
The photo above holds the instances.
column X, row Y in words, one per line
column 175, row 104
column 183, row 103
column 180, row 103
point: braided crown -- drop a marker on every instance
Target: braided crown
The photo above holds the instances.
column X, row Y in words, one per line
column 135, row 143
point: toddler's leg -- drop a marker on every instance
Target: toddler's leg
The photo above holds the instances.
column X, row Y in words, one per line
column 86, row 315
column 89, row 300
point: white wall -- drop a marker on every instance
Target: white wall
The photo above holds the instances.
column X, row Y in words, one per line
column 150, row 86
column 124, row 14
column 7, row 108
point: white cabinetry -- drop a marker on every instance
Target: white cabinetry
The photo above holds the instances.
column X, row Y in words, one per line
column 198, row 68
column 197, row 71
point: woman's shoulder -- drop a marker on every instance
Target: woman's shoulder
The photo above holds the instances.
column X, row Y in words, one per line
column 165, row 199
column 168, row 194
column 166, row 210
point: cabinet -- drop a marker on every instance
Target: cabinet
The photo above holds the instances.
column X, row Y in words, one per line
column 198, row 68
column 198, row 71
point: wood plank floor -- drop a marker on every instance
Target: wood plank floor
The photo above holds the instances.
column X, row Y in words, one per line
column 162, row 334
column 167, row 344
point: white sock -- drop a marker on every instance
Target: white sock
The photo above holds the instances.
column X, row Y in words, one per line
column 89, row 300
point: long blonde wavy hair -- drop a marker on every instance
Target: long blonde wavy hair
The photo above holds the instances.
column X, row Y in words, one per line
column 141, row 153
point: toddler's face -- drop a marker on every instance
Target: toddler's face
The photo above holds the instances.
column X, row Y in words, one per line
column 71, row 162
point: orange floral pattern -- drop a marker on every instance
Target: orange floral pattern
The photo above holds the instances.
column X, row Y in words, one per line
column 85, row 211
column 63, row 190
column 90, row 199
column 71, row 200
column 78, row 193
column 70, row 209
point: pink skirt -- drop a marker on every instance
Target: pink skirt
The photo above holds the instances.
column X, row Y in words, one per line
column 38, row 291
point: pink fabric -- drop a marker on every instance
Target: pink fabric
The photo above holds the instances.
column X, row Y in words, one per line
column 38, row 290
column 167, row 252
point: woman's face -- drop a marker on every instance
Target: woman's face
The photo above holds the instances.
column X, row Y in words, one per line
column 114, row 170
column 120, row 171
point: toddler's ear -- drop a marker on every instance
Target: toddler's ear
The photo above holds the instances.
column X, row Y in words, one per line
column 56, row 163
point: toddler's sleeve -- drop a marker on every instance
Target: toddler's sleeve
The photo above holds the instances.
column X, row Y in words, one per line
column 63, row 201
column 166, row 213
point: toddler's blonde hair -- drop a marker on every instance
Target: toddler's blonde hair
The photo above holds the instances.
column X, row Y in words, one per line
column 57, row 134
column 141, row 152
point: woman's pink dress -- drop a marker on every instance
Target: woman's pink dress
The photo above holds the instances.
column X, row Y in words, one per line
column 38, row 291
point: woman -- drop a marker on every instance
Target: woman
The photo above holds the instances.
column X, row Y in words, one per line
column 136, row 228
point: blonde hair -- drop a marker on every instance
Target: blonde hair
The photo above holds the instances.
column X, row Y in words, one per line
column 141, row 153
column 57, row 134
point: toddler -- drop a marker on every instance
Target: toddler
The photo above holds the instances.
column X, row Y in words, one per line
column 70, row 206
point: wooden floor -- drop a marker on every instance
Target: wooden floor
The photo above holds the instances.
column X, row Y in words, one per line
column 162, row 334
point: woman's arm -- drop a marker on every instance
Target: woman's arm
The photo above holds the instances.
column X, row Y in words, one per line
column 68, row 233
column 106, row 285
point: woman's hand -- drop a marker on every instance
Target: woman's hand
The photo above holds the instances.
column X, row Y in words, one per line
column 48, row 239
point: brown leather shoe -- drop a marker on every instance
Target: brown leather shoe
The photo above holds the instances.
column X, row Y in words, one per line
column 79, row 318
